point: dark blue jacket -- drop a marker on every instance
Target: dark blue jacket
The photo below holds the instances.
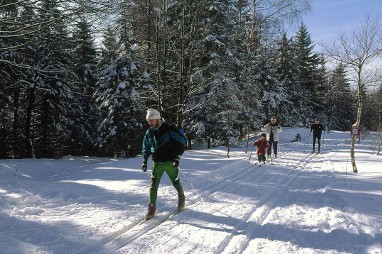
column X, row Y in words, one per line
column 164, row 143
column 317, row 129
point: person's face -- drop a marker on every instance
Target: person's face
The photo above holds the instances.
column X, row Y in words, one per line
column 317, row 121
column 153, row 122
column 273, row 120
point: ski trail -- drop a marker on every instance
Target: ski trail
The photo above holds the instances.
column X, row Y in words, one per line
column 192, row 199
column 260, row 212
column 134, row 230
column 267, row 205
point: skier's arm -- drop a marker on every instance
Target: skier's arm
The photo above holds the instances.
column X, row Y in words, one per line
column 146, row 148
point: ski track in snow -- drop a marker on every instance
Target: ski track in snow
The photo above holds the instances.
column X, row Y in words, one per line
column 141, row 227
column 257, row 215
column 262, row 210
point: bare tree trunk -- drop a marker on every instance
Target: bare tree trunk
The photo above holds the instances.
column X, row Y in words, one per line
column 28, row 122
column 158, row 58
column 358, row 120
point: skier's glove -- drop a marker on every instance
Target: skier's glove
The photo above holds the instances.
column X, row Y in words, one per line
column 144, row 167
column 175, row 163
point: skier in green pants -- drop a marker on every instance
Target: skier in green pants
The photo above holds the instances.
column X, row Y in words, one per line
column 166, row 144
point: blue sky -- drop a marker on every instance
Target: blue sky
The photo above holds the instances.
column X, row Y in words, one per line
column 328, row 18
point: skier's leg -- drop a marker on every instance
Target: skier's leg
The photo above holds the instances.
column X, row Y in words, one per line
column 156, row 176
column 275, row 148
column 173, row 174
column 269, row 148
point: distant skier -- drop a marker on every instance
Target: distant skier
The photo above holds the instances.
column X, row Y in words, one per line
column 262, row 146
column 272, row 131
column 317, row 129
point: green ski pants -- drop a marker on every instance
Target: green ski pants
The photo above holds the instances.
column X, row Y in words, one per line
column 158, row 169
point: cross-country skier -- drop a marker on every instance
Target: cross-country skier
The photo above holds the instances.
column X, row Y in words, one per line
column 261, row 147
column 166, row 144
column 317, row 129
column 272, row 131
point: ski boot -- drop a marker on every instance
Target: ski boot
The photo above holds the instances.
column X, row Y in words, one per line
column 181, row 203
column 150, row 212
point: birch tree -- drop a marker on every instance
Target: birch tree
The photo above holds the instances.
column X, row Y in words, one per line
column 358, row 52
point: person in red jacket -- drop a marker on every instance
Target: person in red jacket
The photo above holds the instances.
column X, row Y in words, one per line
column 261, row 147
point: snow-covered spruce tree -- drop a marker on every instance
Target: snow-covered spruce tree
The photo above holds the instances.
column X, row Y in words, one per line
column 340, row 100
column 52, row 95
column 286, row 73
column 272, row 93
column 250, row 116
column 84, row 132
column 215, row 76
column 320, row 94
column 373, row 110
column 139, row 23
column 260, row 25
column 307, row 66
column 120, row 131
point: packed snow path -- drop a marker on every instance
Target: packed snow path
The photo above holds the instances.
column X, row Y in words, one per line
column 301, row 203
column 221, row 207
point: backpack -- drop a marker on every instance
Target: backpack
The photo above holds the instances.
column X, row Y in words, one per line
column 178, row 136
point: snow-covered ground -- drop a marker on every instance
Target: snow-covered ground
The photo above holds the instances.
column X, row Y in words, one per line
column 299, row 203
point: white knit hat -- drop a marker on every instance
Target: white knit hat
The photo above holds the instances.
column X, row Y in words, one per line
column 152, row 114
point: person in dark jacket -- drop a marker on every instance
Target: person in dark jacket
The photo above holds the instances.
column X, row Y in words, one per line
column 166, row 144
column 261, row 147
column 317, row 129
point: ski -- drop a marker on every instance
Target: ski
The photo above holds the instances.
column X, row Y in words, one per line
column 166, row 214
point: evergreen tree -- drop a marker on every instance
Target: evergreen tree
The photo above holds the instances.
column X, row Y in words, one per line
column 373, row 112
column 52, row 95
column 320, row 93
column 84, row 135
column 218, row 65
column 287, row 74
column 120, row 131
column 341, row 111
column 14, row 70
column 307, row 66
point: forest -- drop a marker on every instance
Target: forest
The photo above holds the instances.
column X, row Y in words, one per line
column 77, row 76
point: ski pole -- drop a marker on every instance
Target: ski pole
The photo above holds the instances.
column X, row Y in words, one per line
column 250, row 155
column 306, row 142
column 192, row 186
column 323, row 139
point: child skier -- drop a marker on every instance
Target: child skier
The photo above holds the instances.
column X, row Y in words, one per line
column 262, row 146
